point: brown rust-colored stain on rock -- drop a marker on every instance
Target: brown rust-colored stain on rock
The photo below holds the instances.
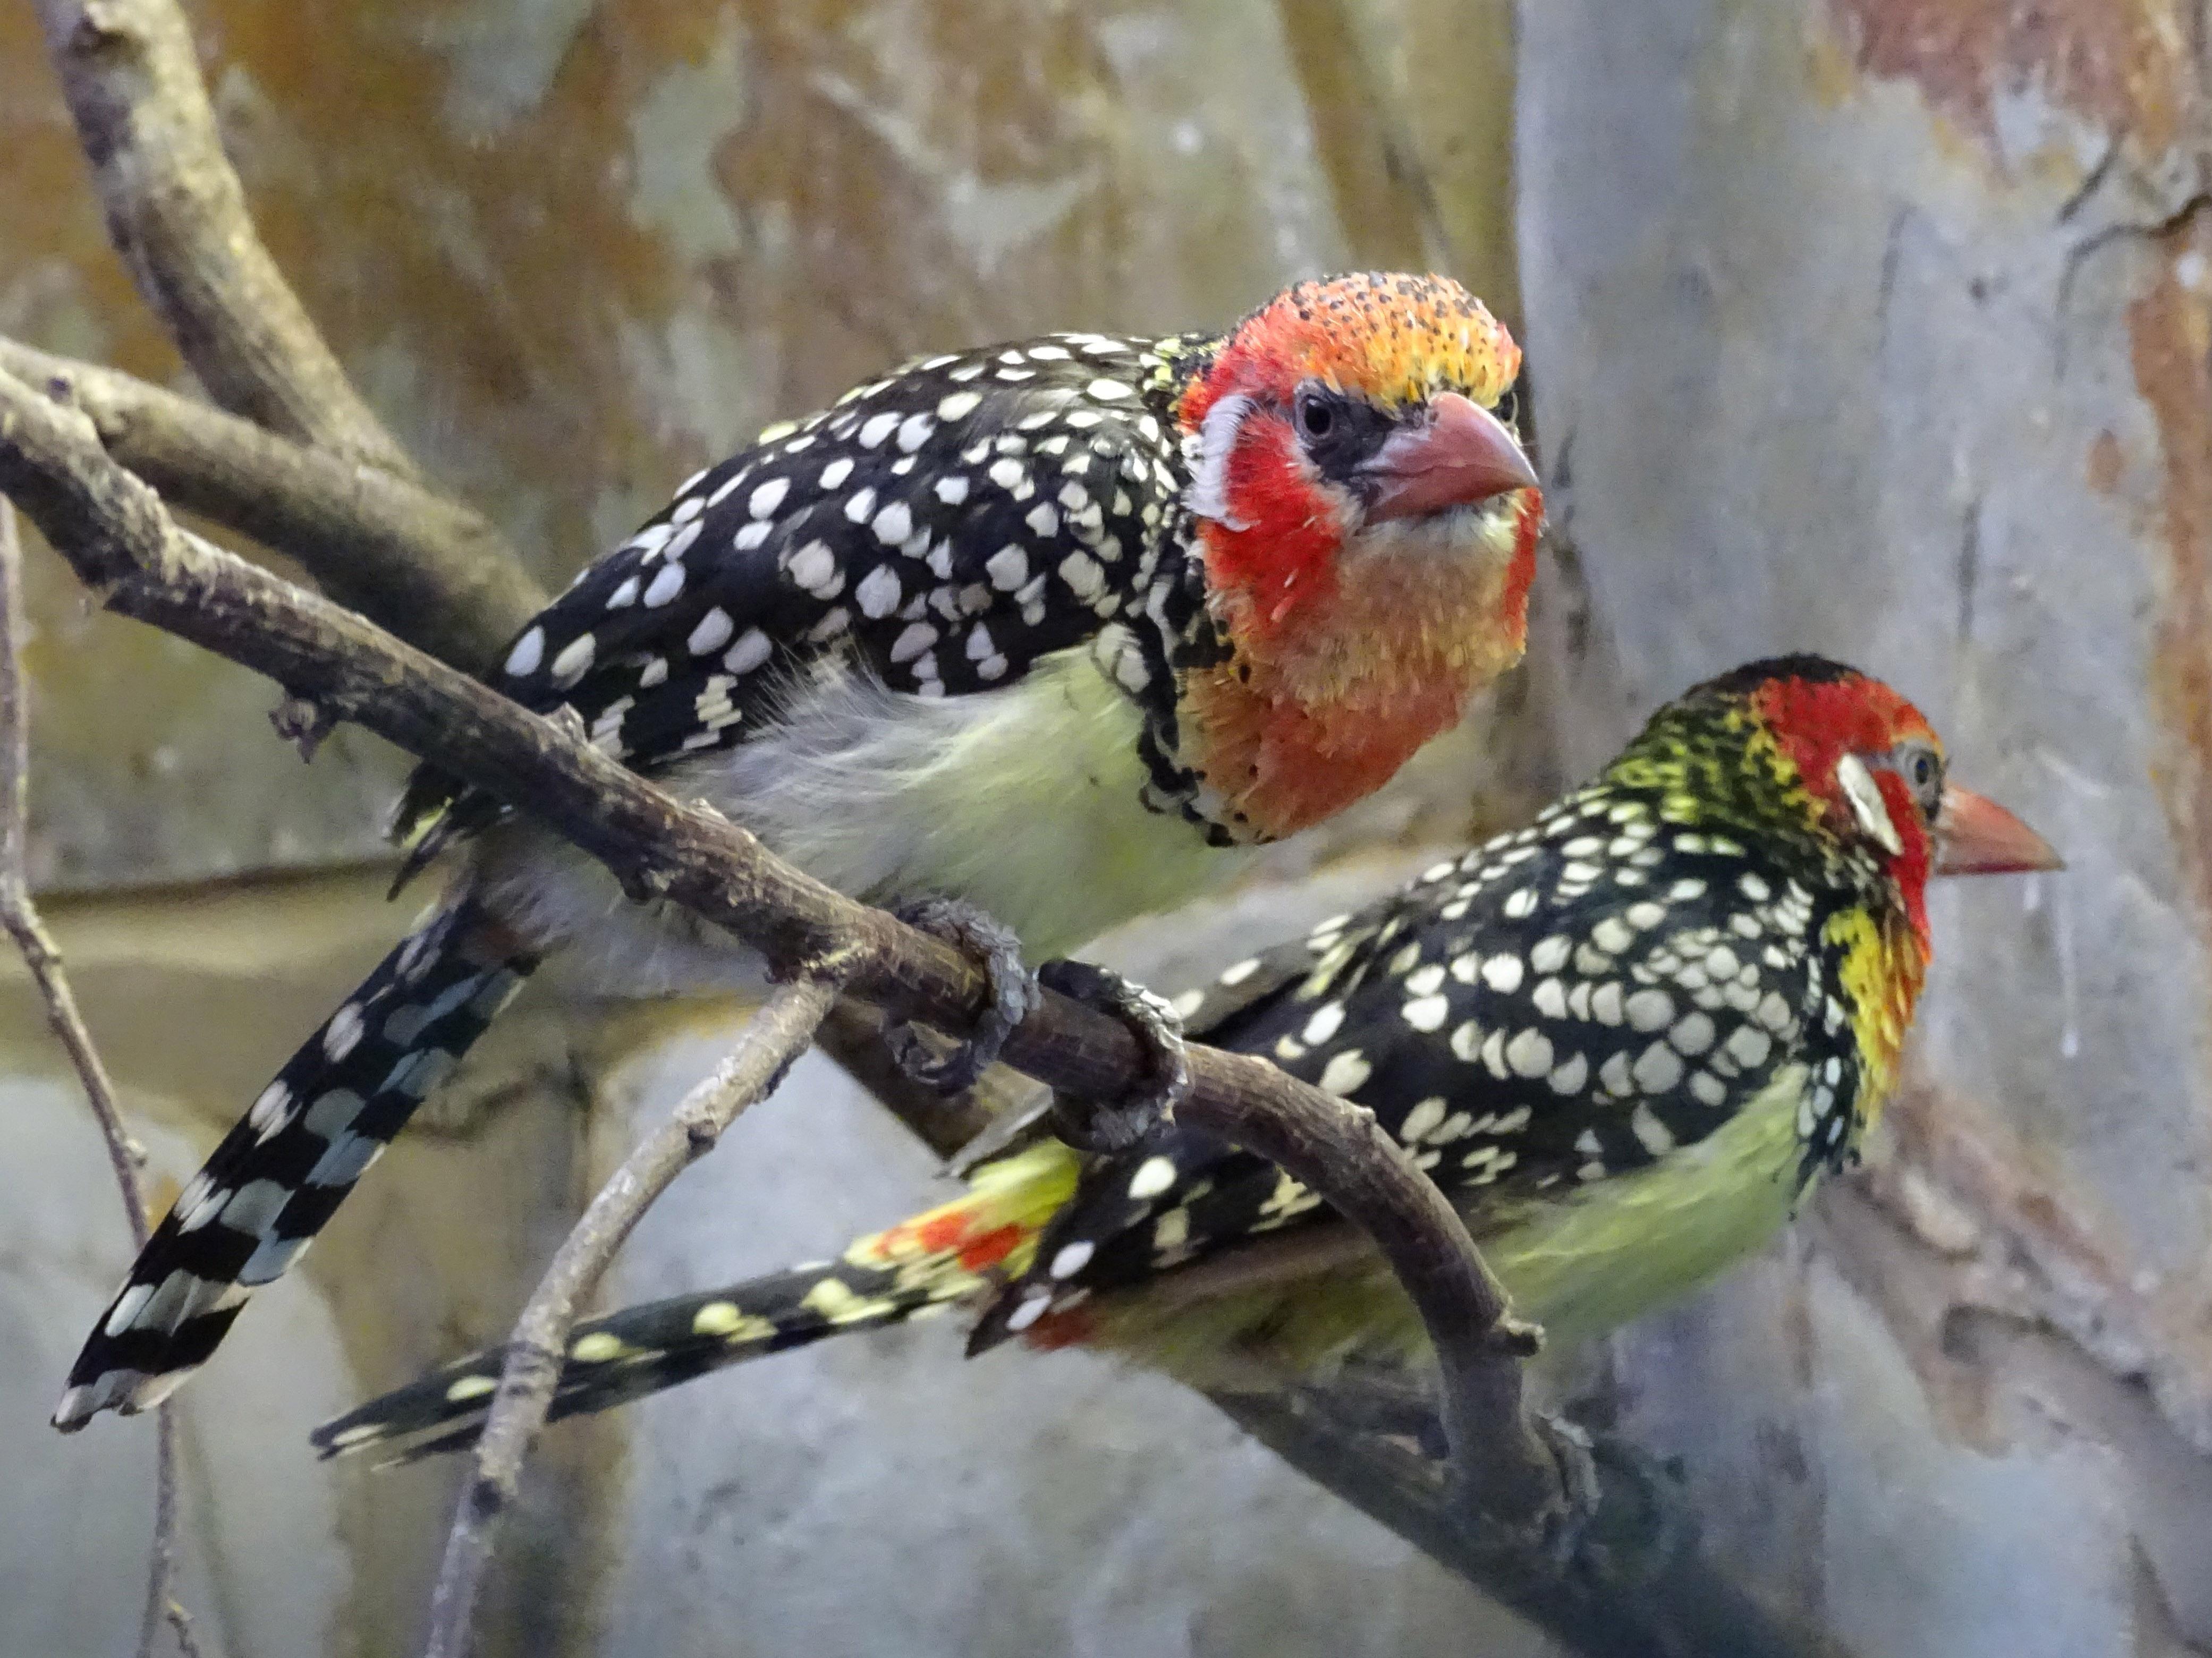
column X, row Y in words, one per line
column 499, row 269
column 900, row 187
column 2170, row 344
column 2125, row 65
column 2105, row 462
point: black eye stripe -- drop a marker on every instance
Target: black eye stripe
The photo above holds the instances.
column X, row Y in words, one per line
column 1339, row 431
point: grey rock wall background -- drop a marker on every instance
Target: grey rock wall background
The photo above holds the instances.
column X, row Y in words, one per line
column 1880, row 327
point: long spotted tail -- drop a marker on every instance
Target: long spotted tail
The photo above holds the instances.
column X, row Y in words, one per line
column 279, row 1175
column 928, row 1264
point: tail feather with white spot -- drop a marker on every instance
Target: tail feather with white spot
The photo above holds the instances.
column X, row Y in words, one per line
column 279, row 1174
column 932, row 1263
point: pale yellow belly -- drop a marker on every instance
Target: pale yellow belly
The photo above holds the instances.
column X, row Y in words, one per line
column 1586, row 1266
column 1579, row 1265
column 1026, row 802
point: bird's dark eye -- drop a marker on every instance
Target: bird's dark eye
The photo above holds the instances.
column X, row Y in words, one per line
column 1339, row 430
column 1922, row 771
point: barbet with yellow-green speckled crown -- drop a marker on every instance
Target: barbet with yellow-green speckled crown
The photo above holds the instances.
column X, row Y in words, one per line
column 1625, row 1041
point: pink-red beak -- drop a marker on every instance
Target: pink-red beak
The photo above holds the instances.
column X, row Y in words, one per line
column 1975, row 835
column 1462, row 455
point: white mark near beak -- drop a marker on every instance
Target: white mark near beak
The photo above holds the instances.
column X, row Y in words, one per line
column 1867, row 803
column 1208, row 495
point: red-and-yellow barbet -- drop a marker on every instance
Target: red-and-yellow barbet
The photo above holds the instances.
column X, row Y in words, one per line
column 1061, row 629
column 1625, row 1041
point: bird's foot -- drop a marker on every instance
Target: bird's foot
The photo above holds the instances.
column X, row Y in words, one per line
column 1569, row 1530
column 1560, row 1525
column 1385, row 1401
column 1013, row 995
column 1645, row 1522
column 1117, row 1125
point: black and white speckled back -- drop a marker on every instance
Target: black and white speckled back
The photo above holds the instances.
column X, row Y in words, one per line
column 945, row 528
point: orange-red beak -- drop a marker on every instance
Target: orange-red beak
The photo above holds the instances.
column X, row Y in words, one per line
column 1975, row 835
column 1462, row 455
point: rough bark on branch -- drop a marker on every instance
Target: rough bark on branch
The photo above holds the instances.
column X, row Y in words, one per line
column 430, row 570
column 177, row 214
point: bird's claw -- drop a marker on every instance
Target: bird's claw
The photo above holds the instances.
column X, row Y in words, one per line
column 1117, row 1125
column 1370, row 1399
column 1013, row 995
column 1569, row 1528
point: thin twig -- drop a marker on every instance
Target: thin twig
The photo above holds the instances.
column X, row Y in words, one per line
column 17, row 912
column 180, row 1624
column 20, row 915
column 113, row 532
column 177, row 214
column 772, row 1040
column 432, row 571
column 161, row 1568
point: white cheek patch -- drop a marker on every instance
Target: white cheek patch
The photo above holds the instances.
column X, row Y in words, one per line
column 1208, row 495
column 1867, row 803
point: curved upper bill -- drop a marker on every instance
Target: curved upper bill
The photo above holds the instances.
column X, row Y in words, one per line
column 1461, row 454
column 1975, row 835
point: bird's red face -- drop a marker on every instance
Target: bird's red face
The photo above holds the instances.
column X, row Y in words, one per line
column 1348, row 436
column 1369, row 522
column 1876, row 768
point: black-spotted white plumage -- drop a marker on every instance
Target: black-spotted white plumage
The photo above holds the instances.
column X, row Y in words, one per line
column 1564, row 1005
column 947, row 638
column 941, row 530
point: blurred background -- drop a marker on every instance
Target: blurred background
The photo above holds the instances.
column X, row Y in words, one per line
column 1879, row 327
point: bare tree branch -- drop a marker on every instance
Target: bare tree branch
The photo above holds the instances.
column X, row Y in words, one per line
column 1639, row 1587
column 772, row 1041
column 177, row 214
column 431, row 571
column 20, row 915
column 115, row 534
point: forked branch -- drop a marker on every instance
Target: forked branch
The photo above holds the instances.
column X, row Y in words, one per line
column 772, row 1041
column 432, row 571
column 177, row 214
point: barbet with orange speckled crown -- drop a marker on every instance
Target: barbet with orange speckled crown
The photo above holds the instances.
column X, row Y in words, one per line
column 1623, row 1041
column 1061, row 629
